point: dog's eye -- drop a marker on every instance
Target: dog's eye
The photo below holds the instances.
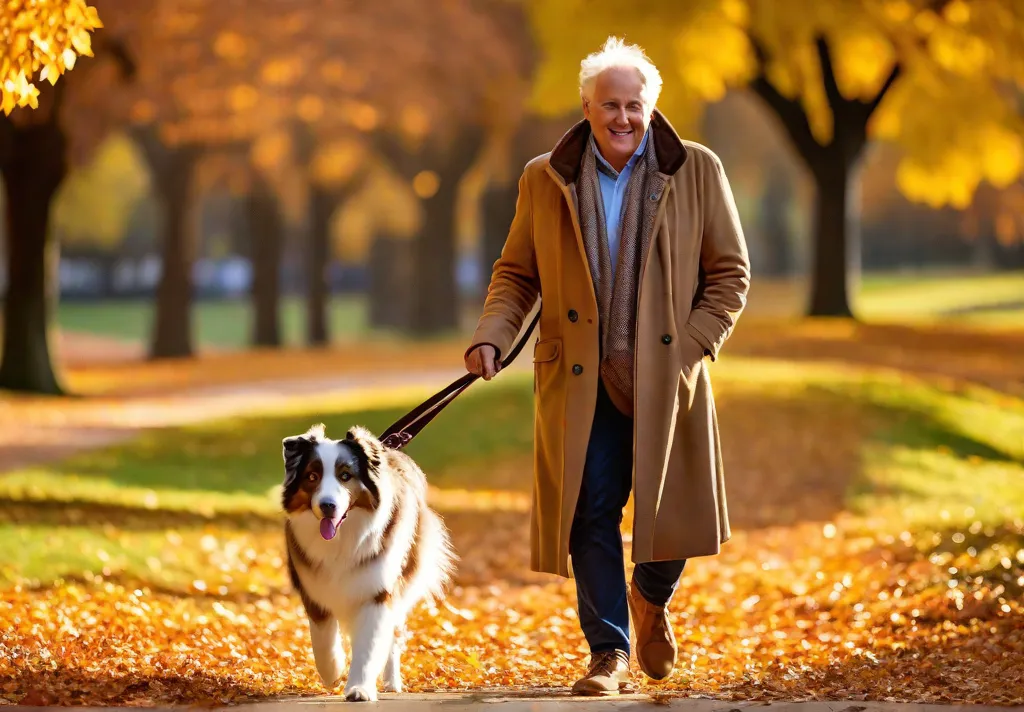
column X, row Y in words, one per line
column 346, row 475
column 313, row 476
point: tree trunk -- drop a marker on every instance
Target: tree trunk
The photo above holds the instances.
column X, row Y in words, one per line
column 267, row 241
column 34, row 167
column 318, row 257
column 836, row 244
column 435, row 306
column 172, row 327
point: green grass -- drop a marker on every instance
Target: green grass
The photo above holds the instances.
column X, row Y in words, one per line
column 988, row 298
column 991, row 299
column 933, row 458
column 237, row 461
column 218, row 323
column 944, row 457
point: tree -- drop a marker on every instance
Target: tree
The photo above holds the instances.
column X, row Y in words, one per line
column 35, row 152
column 44, row 37
column 939, row 78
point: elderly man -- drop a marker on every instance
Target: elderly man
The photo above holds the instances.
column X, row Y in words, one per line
column 631, row 238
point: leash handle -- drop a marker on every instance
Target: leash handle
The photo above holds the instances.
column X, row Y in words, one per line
column 409, row 425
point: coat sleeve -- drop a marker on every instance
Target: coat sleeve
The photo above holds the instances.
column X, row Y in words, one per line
column 515, row 284
column 724, row 265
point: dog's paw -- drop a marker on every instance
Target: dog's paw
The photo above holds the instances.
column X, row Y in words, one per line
column 392, row 686
column 360, row 694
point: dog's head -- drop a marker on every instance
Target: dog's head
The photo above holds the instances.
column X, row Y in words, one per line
column 331, row 477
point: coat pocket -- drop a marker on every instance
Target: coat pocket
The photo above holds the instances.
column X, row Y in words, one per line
column 547, row 350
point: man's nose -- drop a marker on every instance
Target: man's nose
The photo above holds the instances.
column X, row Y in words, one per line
column 328, row 508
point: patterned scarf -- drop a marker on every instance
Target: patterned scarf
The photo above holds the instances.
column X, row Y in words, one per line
column 617, row 300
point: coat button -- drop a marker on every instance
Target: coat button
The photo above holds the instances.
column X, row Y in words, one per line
column 666, row 339
column 573, row 316
column 577, row 369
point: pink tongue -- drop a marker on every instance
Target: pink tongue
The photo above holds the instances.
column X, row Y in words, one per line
column 328, row 528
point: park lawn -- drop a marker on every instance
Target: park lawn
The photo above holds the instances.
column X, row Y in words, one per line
column 219, row 323
column 990, row 299
column 879, row 533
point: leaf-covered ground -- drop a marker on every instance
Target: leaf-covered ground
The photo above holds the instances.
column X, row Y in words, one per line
column 878, row 551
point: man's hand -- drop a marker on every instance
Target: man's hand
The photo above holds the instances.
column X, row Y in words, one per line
column 483, row 361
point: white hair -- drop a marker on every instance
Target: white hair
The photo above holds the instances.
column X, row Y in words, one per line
column 615, row 54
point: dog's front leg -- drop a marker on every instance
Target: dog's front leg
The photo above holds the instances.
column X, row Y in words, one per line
column 327, row 650
column 372, row 635
column 393, row 668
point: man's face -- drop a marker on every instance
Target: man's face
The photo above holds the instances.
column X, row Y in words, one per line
column 617, row 114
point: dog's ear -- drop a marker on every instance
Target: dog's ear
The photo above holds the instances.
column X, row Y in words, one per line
column 296, row 450
column 372, row 449
column 370, row 452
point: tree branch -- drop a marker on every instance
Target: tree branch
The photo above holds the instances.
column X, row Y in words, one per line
column 789, row 111
column 828, row 76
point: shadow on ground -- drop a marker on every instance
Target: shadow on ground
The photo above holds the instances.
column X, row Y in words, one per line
column 989, row 358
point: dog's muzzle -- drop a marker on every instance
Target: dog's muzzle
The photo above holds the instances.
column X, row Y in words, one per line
column 330, row 520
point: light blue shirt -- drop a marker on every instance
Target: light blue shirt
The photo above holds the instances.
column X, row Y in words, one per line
column 613, row 190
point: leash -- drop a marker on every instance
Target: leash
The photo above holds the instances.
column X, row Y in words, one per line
column 409, row 425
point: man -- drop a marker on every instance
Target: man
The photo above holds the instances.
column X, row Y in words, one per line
column 631, row 238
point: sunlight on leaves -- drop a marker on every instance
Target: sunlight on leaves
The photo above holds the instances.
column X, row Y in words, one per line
column 43, row 37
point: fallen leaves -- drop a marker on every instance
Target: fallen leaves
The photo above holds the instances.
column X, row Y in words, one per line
column 183, row 607
column 812, row 611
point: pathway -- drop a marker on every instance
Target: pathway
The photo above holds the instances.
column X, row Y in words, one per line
column 61, row 428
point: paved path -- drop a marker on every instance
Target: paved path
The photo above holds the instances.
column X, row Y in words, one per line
column 57, row 433
column 503, row 702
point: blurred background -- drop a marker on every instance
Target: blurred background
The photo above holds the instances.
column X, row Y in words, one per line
column 226, row 220
column 268, row 174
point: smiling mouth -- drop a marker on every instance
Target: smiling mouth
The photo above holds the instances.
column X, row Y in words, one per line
column 627, row 132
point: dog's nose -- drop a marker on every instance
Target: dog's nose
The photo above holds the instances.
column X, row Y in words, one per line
column 328, row 509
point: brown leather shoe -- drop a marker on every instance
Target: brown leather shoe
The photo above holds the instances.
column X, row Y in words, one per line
column 608, row 674
column 655, row 642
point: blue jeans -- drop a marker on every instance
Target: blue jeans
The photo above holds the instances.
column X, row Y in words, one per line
column 595, row 541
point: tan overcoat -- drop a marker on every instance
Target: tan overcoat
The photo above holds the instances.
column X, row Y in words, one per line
column 693, row 285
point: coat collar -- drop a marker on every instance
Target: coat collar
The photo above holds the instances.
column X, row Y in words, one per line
column 568, row 152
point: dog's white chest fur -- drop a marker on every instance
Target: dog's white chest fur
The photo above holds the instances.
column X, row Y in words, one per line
column 345, row 573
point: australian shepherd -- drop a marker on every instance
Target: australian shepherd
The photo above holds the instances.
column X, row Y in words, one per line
column 363, row 550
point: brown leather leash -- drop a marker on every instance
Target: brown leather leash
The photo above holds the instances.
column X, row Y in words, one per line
column 409, row 425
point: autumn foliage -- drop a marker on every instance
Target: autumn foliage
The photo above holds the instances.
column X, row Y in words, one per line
column 42, row 40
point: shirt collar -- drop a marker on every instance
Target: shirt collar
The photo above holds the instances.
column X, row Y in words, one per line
column 602, row 163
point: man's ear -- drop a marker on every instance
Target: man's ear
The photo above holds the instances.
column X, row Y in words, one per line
column 296, row 449
column 586, row 109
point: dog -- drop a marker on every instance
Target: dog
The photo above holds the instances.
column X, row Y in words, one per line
column 364, row 550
